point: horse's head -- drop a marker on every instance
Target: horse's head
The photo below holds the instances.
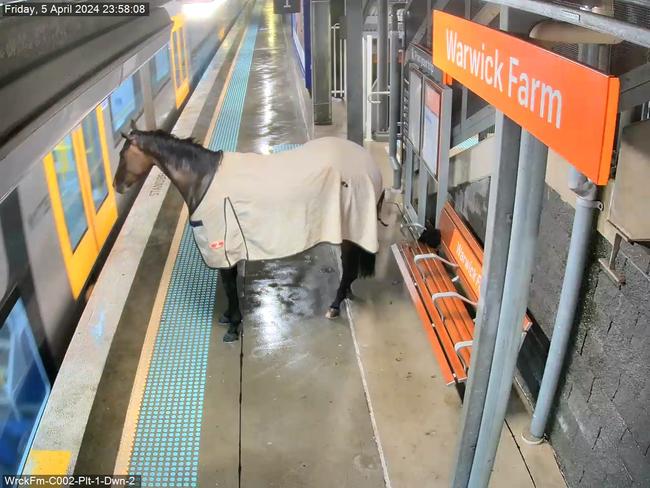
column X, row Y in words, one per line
column 134, row 162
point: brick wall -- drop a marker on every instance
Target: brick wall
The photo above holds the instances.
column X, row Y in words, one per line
column 600, row 427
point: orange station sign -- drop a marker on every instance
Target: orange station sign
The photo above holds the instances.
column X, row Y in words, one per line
column 569, row 107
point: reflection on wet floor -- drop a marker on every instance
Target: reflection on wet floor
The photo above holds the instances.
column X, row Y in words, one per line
column 272, row 113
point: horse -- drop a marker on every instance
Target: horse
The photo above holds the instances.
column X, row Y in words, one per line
column 252, row 207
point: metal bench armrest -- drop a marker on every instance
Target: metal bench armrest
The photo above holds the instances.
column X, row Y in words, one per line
column 411, row 225
column 449, row 294
column 465, row 344
column 462, row 345
column 420, row 257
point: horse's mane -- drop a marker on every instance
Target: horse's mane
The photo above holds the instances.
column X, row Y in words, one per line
column 185, row 154
column 171, row 138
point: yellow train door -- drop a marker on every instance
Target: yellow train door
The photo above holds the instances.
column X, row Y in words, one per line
column 83, row 202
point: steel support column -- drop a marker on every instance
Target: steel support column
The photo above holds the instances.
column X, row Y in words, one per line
column 525, row 227
column 497, row 240
column 393, row 113
column 581, row 233
column 382, row 63
column 148, row 109
column 354, row 73
column 569, row 297
column 321, row 61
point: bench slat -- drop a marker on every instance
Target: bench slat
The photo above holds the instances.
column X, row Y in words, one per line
column 450, row 307
column 457, row 323
column 447, row 374
column 446, row 341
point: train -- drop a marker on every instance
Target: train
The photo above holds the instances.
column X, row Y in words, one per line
column 68, row 88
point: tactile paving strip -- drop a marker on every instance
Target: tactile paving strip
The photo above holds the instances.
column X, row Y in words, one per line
column 283, row 147
column 166, row 446
column 167, row 438
column 226, row 130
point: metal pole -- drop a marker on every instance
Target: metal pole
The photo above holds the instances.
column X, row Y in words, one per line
column 353, row 74
column 497, row 241
column 382, row 62
column 333, row 42
column 585, row 192
column 393, row 114
column 525, row 227
column 341, row 65
column 345, row 69
column 580, row 236
column 368, row 78
column 321, row 67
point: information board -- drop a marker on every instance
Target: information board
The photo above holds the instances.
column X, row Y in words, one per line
column 431, row 127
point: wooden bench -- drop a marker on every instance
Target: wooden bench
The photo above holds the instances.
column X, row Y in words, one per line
column 444, row 285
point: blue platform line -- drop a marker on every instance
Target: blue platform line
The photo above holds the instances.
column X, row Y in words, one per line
column 167, row 437
column 226, row 130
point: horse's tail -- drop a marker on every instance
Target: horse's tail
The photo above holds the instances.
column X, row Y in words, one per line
column 366, row 263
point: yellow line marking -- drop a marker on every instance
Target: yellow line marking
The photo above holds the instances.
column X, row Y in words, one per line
column 41, row 462
column 137, row 392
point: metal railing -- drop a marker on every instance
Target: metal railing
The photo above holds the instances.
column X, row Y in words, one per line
column 339, row 75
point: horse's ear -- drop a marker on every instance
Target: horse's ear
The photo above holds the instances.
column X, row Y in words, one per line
column 125, row 136
column 133, row 126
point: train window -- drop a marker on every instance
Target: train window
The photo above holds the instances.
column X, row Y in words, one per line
column 125, row 104
column 24, row 386
column 95, row 160
column 96, row 176
column 160, row 67
column 67, row 176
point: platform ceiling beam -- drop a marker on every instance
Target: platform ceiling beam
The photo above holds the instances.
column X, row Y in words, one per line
column 607, row 25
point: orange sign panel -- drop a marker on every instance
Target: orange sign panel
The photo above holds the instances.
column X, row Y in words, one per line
column 569, row 107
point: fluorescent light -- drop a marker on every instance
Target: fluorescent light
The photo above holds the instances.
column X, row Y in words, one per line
column 200, row 10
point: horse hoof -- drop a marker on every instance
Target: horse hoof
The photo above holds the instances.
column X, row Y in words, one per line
column 333, row 313
column 224, row 320
column 230, row 336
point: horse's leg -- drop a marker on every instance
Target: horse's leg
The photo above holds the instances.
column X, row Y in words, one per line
column 233, row 314
column 350, row 261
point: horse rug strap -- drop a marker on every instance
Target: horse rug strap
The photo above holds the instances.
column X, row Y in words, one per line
column 273, row 206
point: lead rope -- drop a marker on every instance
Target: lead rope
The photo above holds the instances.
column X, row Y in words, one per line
column 380, row 206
